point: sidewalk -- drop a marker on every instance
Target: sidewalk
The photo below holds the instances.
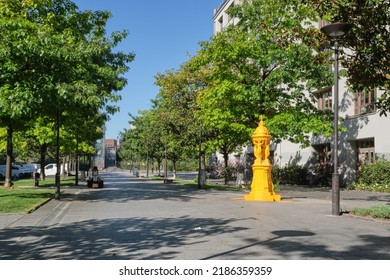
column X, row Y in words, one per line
column 134, row 218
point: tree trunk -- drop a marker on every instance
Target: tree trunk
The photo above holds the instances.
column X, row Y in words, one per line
column 202, row 170
column 159, row 161
column 174, row 169
column 226, row 161
column 43, row 151
column 63, row 166
column 202, row 164
column 8, row 167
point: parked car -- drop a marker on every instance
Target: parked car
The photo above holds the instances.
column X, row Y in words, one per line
column 51, row 169
column 17, row 172
column 28, row 170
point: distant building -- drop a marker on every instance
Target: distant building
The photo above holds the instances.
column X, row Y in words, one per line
column 111, row 147
column 365, row 137
column 99, row 157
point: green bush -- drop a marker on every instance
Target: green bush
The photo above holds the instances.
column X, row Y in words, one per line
column 369, row 187
column 377, row 173
column 290, row 175
column 374, row 177
column 187, row 165
column 320, row 174
column 219, row 171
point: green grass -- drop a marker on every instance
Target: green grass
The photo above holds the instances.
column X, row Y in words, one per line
column 379, row 211
column 49, row 182
column 209, row 186
column 19, row 200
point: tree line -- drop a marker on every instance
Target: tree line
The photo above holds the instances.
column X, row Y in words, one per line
column 270, row 64
column 59, row 75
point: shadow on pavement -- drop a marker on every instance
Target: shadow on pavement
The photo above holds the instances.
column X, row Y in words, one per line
column 372, row 248
column 145, row 238
column 129, row 238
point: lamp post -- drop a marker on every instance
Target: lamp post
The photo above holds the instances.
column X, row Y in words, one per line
column 335, row 32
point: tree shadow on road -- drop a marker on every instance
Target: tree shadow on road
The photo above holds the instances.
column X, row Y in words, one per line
column 147, row 239
column 130, row 238
column 296, row 244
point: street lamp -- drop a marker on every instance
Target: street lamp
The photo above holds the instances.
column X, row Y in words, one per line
column 335, row 32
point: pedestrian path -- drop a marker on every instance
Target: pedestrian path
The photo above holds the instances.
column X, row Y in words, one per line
column 133, row 218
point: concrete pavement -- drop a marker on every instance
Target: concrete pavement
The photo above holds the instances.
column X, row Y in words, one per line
column 135, row 218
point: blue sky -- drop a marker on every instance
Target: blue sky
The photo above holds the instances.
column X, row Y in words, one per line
column 161, row 34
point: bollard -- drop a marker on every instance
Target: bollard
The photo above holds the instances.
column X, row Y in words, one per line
column 36, row 180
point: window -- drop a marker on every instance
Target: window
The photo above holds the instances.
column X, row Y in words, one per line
column 230, row 18
column 220, row 20
column 325, row 99
column 365, row 102
column 323, row 152
column 366, row 151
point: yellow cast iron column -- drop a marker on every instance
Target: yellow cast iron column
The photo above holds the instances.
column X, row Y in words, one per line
column 262, row 188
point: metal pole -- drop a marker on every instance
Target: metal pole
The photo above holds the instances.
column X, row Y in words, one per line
column 335, row 175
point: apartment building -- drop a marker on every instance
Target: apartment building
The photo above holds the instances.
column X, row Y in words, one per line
column 221, row 18
column 363, row 139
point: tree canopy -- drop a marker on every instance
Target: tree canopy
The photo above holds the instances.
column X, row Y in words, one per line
column 368, row 65
column 273, row 63
column 268, row 64
column 57, row 62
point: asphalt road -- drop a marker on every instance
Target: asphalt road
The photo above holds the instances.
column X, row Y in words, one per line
column 134, row 218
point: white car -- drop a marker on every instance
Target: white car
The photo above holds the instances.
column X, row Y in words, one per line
column 51, row 169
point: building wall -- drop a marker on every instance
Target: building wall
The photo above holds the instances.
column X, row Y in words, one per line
column 361, row 136
column 99, row 158
column 221, row 18
column 111, row 147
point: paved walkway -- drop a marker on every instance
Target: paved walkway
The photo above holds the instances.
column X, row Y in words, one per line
column 138, row 219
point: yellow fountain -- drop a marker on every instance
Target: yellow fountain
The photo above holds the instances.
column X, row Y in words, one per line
column 262, row 188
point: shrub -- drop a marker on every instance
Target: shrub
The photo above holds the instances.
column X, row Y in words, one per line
column 374, row 177
column 219, row 171
column 369, row 187
column 377, row 173
column 290, row 175
column 187, row 165
column 320, row 174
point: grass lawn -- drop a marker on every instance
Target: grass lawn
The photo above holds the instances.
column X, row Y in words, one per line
column 378, row 211
column 49, row 182
column 20, row 199
column 209, row 186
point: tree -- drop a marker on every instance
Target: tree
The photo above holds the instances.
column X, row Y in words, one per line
column 17, row 48
column 144, row 139
column 177, row 102
column 269, row 64
column 368, row 65
column 56, row 61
